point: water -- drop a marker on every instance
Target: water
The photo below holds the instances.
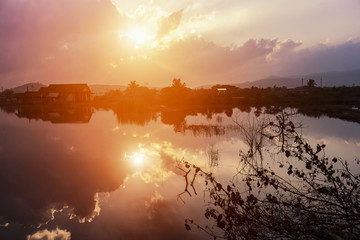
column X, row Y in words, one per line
column 90, row 173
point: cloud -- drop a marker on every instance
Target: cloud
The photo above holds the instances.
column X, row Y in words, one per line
column 57, row 234
column 198, row 61
column 169, row 23
column 79, row 41
column 322, row 57
column 282, row 49
column 59, row 40
column 158, row 208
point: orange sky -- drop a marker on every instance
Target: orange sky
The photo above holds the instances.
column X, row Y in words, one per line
column 202, row 42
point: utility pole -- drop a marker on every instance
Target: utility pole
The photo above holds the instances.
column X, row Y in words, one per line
column 321, row 82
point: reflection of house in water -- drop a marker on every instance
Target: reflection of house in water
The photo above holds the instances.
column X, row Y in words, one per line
column 58, row 114
column 66, row 93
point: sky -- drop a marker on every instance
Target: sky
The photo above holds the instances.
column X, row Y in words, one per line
column 152, row 42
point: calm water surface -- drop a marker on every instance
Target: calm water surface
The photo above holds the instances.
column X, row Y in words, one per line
column 93, row 174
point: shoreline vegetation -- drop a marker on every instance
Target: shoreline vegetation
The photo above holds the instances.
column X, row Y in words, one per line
column 284, row 188
column 335, row 102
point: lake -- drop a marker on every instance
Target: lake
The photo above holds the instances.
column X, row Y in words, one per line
column 92, row 173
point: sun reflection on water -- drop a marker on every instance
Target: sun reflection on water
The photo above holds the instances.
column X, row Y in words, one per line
column 152, row 163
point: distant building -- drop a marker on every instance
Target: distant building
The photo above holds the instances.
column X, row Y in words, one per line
column 56, row 93
column 66, row 93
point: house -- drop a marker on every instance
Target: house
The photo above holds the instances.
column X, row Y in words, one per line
column 66, row 93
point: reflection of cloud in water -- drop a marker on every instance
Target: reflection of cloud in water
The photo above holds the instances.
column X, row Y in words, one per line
column 116, row 129
column 151, row 164
column 42, row 179
column 155, row 204
column 157, row 162
column 94, row 213
column 57, row 234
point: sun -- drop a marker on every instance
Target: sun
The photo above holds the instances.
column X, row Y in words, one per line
column 138, row 160
column 141, row 36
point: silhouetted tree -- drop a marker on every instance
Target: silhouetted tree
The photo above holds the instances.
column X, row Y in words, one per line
column 311, row 83
column 136, row 94
column 176, row 83
column 177, row 94
column 307, row 196
column 133, row 85
column 7, row 93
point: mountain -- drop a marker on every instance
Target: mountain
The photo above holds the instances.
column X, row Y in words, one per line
column 29, row 87
column 329, row 79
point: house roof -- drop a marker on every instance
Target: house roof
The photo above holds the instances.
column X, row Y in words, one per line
column 81, row 87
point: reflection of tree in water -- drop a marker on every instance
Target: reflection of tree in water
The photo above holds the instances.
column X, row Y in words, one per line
column 206, row 130
column 8, row 108
column 177, row 118
column 59, row 113
column 298, row 194
column 213, row 156
column 134, row 114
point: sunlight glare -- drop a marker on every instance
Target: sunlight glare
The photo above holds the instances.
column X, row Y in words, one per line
column 138, row 160
column 140, row 36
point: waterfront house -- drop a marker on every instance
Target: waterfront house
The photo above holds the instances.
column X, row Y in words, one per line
column 66, row 93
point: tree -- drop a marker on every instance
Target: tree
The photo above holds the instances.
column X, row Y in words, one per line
column 177, row 94
column 133, row 85
column 306, row 196
column 136, row 94
column 7, row 93
column 176, row 83
column 311, row 83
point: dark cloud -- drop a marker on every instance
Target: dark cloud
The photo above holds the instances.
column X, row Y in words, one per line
column 203, row 62
column 322, row 58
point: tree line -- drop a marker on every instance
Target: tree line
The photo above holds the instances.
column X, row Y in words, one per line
column 178, row 94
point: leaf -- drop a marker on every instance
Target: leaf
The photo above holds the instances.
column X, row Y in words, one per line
column 290, row 171
column 187, row 227
column 221, row 224
column 287, row 153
